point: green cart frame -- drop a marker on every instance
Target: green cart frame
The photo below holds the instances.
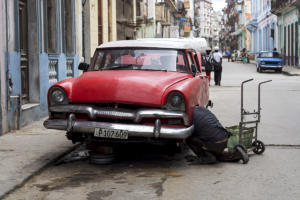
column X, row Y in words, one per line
column 245, row 134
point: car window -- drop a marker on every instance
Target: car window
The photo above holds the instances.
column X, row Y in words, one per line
column 141, row 59
column 197, row 62
column 191, row 60
column 270, row 55
column 98, row 61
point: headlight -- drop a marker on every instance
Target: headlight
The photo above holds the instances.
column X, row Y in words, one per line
column 57, row 96
column 263, row 63
column 175, row 101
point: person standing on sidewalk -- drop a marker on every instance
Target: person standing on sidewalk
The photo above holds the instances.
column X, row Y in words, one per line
column 217, row 62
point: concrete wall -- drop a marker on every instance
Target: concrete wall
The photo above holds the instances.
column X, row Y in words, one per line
column 2, row 67
column 91, row 28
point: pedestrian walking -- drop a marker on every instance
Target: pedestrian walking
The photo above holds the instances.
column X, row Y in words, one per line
column 244, row 56
column 228, row 54
column 209, row 140
column 235, row 55
column 207, row 64
column 217, row 63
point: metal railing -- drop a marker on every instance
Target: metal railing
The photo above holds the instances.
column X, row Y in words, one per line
column 276, row 4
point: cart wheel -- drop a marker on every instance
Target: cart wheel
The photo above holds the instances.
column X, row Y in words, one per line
column 259, row 147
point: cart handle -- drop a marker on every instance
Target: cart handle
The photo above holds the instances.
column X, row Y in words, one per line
column 259, row 108
column 247, row 81
column 242, row 97
column 264, row 82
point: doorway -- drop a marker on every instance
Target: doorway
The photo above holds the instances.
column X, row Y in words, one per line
column 23, row 27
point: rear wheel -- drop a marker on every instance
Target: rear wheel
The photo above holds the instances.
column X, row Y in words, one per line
column 259, row 147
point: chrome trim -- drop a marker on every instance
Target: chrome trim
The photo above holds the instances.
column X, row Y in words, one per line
column 133, row 129
column 70, row 122
column 119, row 113
column 157, row 128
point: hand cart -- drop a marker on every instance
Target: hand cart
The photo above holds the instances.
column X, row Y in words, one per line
column 245, row 134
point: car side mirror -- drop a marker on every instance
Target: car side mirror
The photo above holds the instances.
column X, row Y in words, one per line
column 194, row 70
column 83, row 66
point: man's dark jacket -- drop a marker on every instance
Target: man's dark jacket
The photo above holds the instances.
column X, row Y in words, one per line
column 207, row 127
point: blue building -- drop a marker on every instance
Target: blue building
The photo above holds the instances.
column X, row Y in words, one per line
column 288, row 28
column 263, row 27
column 38, row 47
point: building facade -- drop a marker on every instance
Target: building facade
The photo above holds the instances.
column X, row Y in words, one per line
column 98, row 25
column 230, row 31
column 216, row 27
column 203, row 19
column 288, row 29
column 40, row 45
column 244, row 37
column 263, row 27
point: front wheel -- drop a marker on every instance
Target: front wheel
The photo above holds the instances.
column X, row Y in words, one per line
column 259, row 147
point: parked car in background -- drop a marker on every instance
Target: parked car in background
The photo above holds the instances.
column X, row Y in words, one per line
column 133, row 90
column 269, row 60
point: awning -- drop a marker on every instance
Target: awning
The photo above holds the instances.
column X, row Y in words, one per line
column 252, row 25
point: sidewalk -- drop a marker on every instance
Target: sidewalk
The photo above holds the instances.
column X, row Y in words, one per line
column 291, row 71
column 25, row 152
column 288, row 70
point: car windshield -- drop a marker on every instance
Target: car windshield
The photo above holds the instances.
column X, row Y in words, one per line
column 270, row 55
column 140, row 59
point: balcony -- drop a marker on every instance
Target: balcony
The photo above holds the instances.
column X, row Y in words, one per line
column 278, row 7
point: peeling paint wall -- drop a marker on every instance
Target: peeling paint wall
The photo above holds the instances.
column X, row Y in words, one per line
column 2, row 67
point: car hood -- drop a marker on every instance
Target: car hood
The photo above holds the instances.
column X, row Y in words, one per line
column 270, row 59
column 124, row 86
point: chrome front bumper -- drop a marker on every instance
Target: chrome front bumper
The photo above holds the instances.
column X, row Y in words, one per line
column 119, row 113
column 134, row 130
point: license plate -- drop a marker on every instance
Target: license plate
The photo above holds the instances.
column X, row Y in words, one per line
column 111, row 133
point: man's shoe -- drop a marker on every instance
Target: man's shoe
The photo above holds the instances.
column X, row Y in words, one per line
column 207, row 158
column 243, row 153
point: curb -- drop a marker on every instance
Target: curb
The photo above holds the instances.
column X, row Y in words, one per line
column 47, row 164
column 289, row 74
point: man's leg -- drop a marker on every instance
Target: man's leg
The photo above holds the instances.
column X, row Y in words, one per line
column 220, row 77
column 218, row 74
column 216, row 77
column 197, row 146
column 235, row 155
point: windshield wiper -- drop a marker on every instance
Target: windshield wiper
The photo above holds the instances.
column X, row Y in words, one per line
column 155, row 70
column 119, row 67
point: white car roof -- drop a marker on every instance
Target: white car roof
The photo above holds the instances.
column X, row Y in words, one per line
column 198, row 44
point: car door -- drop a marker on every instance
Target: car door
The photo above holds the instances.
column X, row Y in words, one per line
column 199, row 82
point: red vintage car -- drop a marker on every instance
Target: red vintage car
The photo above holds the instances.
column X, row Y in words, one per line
column 134, row 90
